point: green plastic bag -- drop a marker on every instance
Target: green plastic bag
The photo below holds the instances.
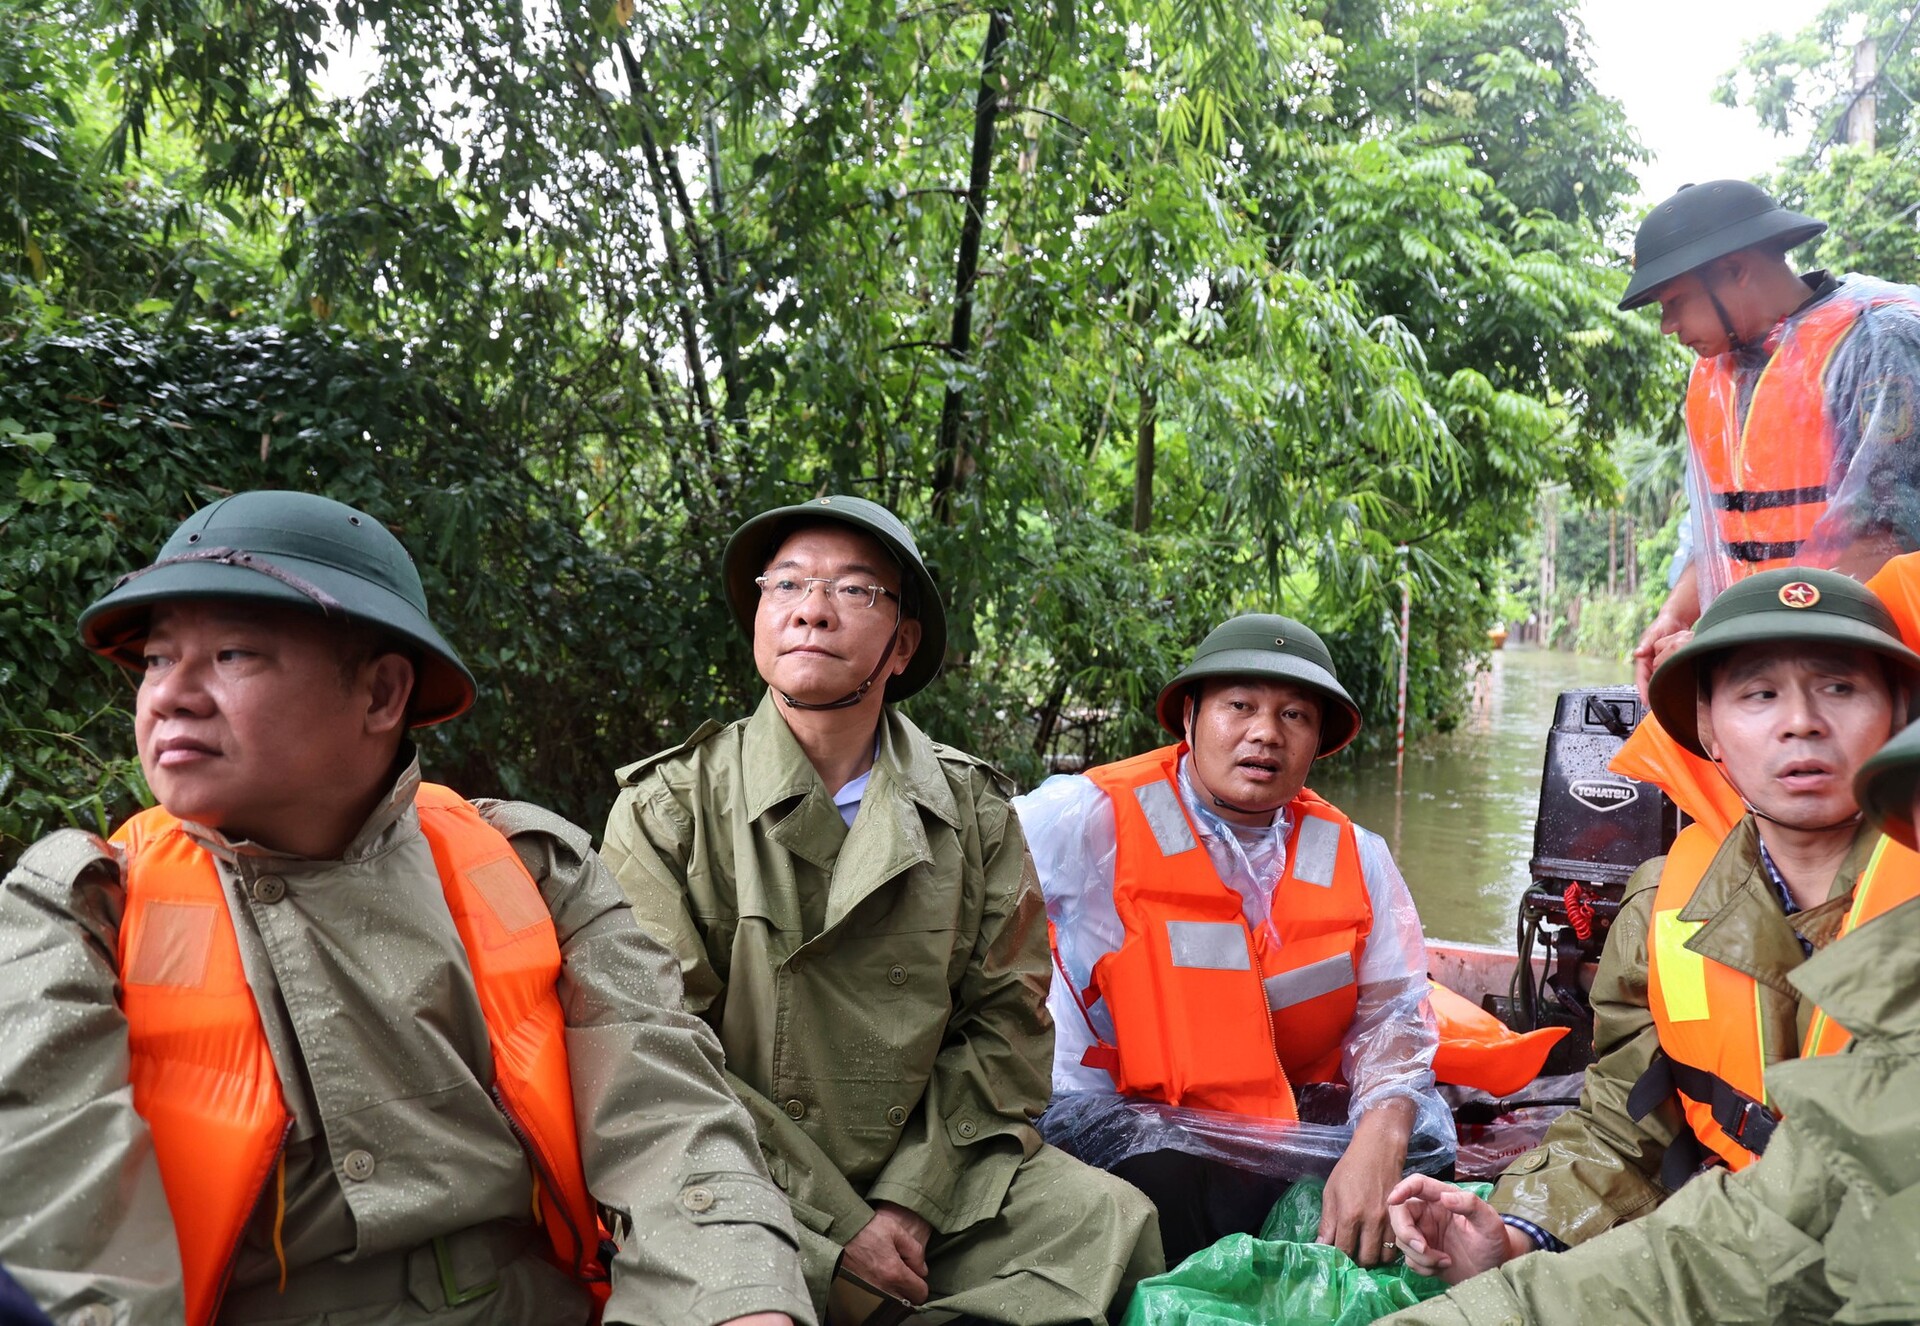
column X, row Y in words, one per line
column 1280, row 1278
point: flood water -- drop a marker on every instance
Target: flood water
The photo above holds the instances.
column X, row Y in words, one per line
column 1461, row 822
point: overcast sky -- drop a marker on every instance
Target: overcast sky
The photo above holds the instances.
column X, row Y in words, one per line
column 1661, row 58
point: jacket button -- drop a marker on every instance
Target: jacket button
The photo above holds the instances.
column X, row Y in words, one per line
column 269, row 889
column 896, row 975
column 796, row 1109
column 697, row 1199
column 967, row 1129
column 358, row 1166
column 896, row 1116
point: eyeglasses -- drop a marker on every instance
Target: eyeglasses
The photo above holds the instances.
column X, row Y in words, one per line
column 786, row 591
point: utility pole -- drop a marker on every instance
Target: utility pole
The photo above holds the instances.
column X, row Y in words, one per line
column 1866, row 60
column 1549, row 559
column 1406, row 647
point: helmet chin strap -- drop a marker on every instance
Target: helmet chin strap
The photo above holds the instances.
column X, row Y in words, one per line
column 1217, row 799
column 1734, row 340
column 858, row 693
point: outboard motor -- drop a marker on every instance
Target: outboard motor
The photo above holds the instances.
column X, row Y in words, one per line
column 1593, row 831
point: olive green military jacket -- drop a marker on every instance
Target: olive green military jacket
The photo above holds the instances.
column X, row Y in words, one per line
column 1824, row 1227
column 369, row 1009
column 1598, row 1166
column 880, row 990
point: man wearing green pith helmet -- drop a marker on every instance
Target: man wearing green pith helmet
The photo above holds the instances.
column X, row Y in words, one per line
column 1230, row 943
column 1826, row 1225
column 854, row 914
column 314, row 1040
column 1791, row 681
column 1803, row 406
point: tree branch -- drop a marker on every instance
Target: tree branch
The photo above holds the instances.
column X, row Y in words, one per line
column 950, row 450
column 1015, row 108
column 689, row 325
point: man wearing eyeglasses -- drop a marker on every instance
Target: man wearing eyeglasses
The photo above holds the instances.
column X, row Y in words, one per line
column 856, row 918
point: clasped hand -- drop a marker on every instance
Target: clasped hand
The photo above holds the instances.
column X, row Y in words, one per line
column 890, row 1252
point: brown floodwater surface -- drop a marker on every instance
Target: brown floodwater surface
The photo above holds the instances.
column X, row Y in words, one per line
column 1461, row 820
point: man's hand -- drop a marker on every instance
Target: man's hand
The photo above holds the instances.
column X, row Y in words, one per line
column 890, row 1252
column 1676, row 616
column 1448, row 1232
column 1353, row 1209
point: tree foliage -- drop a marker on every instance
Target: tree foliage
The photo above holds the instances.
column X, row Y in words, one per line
column 1803, row 85
column 1141, row 313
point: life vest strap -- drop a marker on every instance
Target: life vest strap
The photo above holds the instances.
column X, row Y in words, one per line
column 1742, row 1118
column 1740, row 499
column 1684, row 1159
column 1752, row 551
column 1106, row 1058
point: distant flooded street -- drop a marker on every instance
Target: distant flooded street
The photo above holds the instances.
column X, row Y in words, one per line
column 1461, row 824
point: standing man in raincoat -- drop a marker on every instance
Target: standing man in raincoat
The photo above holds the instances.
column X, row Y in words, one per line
column 1826, row 1225
column 1228, row 942
column 1803, row 410
column 316, row 1041
column 1793, row 679
column 855, row 917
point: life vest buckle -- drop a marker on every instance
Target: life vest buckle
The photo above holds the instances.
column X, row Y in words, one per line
column 1752, row 1125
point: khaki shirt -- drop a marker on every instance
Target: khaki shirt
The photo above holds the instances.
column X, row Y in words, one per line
column 369, row 1007
column 1824, row 1227
column 897, row 1053
column 1598, row 1166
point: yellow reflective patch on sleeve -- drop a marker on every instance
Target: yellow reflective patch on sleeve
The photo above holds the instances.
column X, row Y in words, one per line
column 1683, row 973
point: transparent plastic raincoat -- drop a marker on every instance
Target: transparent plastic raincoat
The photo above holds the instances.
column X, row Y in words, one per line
column 1388, row 1051
column 1803, row 448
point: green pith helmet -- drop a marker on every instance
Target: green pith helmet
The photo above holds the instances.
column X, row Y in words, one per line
column 1263, row 646
column 1796, row 604
column 1706, row 221
column 754, row 543
column 1885, row 785
column 297, row 549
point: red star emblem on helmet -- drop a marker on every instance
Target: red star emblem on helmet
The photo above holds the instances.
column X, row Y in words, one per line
column 1799, row 595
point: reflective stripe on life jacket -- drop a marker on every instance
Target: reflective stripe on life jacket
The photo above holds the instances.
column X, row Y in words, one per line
column 1765, row 462
column 1207, row 1011
column 203, row 1076
column 1712, row 1045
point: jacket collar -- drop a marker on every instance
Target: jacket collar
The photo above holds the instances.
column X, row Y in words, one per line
column 777, row 769
column 393, row 813
column 889, row 836
column 1743, row 925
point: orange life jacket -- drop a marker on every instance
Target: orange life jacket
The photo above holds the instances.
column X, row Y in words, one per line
column 205, row 1082
column 1708, row 1014
column 1477, row 1049
column 1694, row 783
column 1207, row 1011
column 1897, row 584
column 1766, row 462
